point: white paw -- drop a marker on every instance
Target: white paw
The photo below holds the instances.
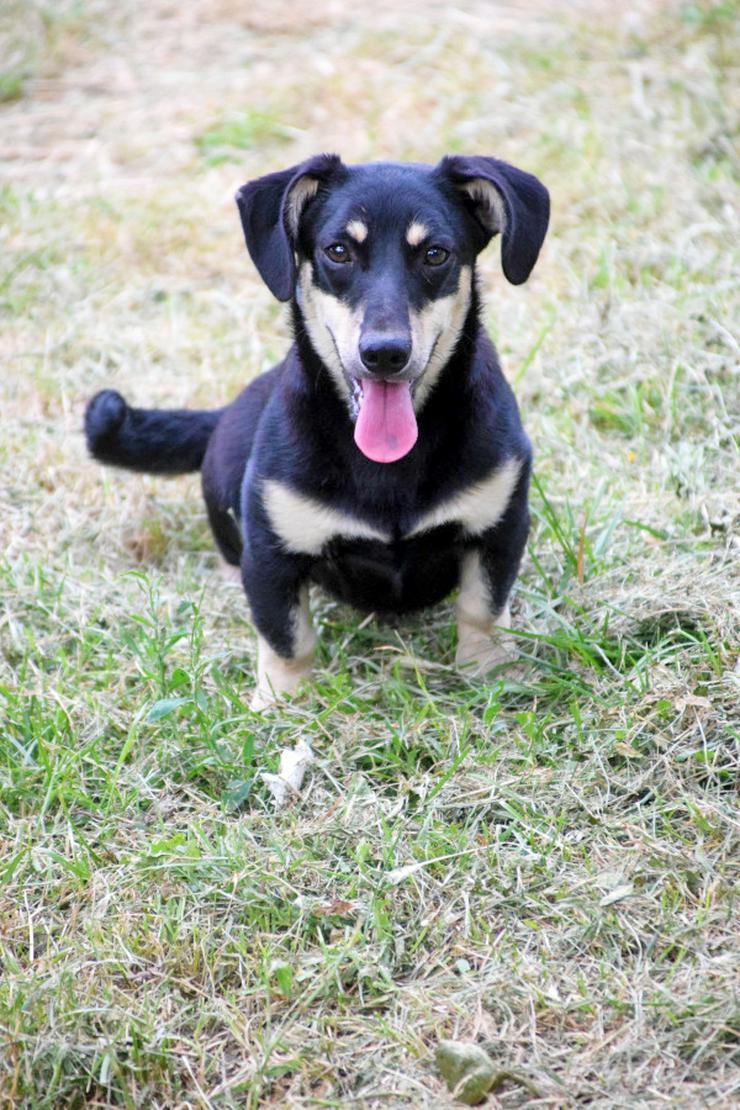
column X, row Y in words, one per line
column 262, row 699
column 277, row 678
column 231, row 573
column 479, row 652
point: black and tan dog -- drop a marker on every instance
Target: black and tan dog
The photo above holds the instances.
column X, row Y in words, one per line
column 383, row 458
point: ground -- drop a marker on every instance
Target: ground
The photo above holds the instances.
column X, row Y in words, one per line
column 542, row 865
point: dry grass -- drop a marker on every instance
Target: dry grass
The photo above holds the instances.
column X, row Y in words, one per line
column 547, row 868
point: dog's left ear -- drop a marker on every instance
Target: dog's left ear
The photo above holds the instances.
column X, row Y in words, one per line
column 270, row 208
column 507, row 200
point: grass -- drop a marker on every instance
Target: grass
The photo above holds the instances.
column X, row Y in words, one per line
column 547, row 865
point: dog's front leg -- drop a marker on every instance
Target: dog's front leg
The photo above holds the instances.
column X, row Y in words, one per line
column 482, row 644
column 276, row 584
column 487, row 575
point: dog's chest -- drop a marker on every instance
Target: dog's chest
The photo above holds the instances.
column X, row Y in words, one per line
column 391, row 577
column 306, row 525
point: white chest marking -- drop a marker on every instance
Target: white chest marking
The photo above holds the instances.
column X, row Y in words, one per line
column 477, row 508
column 305, row 525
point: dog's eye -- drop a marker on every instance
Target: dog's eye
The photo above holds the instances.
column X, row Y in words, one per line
column 337, row 252
column 436, row 256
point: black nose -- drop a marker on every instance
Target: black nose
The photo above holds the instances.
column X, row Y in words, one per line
column 384, row 354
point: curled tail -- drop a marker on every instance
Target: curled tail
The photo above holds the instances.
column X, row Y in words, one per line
column 156, row 441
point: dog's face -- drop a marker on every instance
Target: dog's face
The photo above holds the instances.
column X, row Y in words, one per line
column 380, row 259
column 385, row 265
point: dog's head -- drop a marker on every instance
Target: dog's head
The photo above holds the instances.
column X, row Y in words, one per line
column 380, row 259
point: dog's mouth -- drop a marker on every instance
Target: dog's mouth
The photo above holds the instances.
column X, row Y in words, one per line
column 385, row 428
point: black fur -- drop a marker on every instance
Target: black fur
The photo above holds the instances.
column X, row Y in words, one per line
column 294, row 425
column 157, row 441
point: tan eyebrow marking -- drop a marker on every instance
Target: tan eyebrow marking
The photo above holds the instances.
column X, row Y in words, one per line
column 416, row 232
column 358, row 230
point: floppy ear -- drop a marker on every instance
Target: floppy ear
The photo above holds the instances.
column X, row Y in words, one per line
column 270, row 208
column 504, row 199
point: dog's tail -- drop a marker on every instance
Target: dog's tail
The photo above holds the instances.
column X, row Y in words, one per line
column 156, row 441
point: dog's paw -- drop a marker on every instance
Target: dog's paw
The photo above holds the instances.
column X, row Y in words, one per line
column 267, row 694
column 262, row 699
column 230, row 573
column 278, row 678
column 479, row 653
column 104, row 415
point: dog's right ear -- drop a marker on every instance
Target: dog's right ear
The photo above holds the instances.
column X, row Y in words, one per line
column 270, row 208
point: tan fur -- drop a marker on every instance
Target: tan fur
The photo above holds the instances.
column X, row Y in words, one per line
column 305, row 525
column 357, row 230
column 300, row 194
column 478, row 507
column 278, row 677
column 441, row 321
column 334, row 328
column 481, row 645
column 416, row 233
column 491, row 209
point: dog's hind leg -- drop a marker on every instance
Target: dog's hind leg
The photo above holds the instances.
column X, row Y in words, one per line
column 226, row 533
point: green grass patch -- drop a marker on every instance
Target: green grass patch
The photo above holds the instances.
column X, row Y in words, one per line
column 226, row 140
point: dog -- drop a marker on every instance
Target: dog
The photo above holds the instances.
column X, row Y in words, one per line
column 384, row 458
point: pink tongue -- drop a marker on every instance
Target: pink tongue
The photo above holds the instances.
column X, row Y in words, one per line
column 386, row 427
